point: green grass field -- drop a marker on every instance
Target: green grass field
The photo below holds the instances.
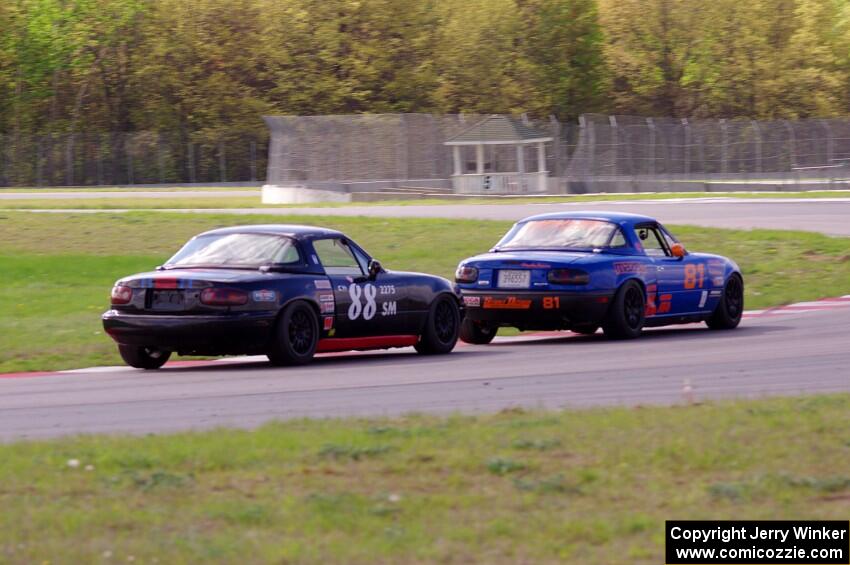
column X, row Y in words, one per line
column 212, row 201
column 58, row 268
column 582, row 487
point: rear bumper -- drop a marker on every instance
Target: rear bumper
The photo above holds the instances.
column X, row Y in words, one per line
column 243, row 332
column 537, row 310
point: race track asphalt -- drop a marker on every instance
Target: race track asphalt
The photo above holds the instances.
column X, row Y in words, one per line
column 830, row 216
column 805, row 352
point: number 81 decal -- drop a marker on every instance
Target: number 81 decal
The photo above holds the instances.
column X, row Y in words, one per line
column 694, row 276
column 368, row 292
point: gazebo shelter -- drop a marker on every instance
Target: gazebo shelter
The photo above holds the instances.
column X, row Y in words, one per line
column 499, row 131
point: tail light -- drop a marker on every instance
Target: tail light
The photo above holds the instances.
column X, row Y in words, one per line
column 568, row 276
column 224, row 297
column 121, row 294
column 466, row 274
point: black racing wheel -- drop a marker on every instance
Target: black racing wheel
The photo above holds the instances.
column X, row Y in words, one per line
column 477, row 333
column 296, row 336
column 627, row 312
column 442, row 327
column 728, row 312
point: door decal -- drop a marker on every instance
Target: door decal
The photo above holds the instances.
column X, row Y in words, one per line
column 363, row 301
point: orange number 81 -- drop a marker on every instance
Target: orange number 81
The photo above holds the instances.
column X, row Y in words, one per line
column 694, row 276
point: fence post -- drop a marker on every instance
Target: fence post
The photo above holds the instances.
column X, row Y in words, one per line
column 190, row 161
column 222, row 161
column 651, row 125
column 830, row 142
column 253, row 149
column 38, row 172
column 724, row 146
column 556, row 146
column 69, row 161
column 160, row 161
column 687, row 132
column 615, row 142
column 758, row 142
column 100, row 159
column 591, row 136
column 792, row 149
column 128, row 150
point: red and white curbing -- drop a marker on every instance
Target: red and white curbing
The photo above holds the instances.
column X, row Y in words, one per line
column 798, row 308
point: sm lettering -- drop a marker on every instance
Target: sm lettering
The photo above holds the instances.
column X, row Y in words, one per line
column 389, row 308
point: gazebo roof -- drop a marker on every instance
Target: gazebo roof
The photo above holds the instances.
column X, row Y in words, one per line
column 498, row 130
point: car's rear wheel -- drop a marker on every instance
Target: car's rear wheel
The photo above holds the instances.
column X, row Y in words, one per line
column 296, row 336
column 727, row 315
column 477, row 333
column 441, row 328
column 584, row 329
column 626, row 315
column 143, row 357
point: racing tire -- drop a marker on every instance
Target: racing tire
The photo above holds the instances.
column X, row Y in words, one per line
column 442, row 327
column 584, row 329
column 147, row 358
column 728, row 312
column 296, row 336
column 627, row 313
column 475, row 333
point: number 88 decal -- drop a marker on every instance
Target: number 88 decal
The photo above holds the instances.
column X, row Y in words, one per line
column 369, row 292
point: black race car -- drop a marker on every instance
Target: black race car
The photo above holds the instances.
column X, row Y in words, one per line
column 284, row 291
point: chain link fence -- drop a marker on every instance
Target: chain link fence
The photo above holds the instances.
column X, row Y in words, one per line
column 90, row 159
column 598, row 153
column 628, row 145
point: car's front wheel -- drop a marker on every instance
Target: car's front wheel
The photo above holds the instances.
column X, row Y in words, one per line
column 296, row 336
column 477, row 333
column 727, row 315
column 441, row 328
column 143, row 357
column 626, row 314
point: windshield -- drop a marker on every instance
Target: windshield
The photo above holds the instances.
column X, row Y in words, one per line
column 561, row 234
column 241, row 250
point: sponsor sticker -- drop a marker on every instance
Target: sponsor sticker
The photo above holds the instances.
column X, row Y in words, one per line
column 264, row 296
column 322, row 284
column 509, row 303
column 472, row 301
column 328, row 323
column 629, row 267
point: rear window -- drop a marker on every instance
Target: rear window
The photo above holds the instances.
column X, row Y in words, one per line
column 248, row 250
column 562, row 234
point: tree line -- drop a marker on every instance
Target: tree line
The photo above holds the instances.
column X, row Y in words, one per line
column 217, row 65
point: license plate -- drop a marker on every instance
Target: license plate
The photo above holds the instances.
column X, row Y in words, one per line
column 167, row 300
column 514, row 279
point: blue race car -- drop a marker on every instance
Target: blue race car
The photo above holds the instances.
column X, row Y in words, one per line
column 283, row 291
column 582, row 270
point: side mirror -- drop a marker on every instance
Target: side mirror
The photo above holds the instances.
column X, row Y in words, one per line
column 375, row 268
column 677, row 250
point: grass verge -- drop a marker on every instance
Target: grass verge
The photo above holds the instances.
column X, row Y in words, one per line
column 58, row 268
column 589, row 486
